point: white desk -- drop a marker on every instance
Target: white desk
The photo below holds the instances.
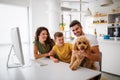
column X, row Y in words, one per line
column 53, row 71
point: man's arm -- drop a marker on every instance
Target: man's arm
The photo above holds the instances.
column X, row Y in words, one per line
column 95, row 54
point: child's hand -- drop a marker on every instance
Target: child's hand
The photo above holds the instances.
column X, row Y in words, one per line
column 56, row 60
column 50, row 54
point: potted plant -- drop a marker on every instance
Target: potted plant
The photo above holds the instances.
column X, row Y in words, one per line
column 62, row 26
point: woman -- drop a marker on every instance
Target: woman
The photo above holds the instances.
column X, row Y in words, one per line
column 43, row 43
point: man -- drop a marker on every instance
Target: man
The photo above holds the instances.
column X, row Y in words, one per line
column 76, row 28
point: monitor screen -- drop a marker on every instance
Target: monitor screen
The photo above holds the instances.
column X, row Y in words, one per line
column 17, row 46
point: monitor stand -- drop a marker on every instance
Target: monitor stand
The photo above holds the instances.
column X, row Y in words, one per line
column 14, row 64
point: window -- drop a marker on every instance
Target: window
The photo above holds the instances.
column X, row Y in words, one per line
column 13, row 16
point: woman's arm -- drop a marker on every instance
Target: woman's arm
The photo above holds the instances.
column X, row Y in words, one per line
column 36, row 55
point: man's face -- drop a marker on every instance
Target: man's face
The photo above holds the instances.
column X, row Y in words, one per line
column 77, row 30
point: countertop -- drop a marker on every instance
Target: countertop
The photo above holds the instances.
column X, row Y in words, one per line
column 101, row 40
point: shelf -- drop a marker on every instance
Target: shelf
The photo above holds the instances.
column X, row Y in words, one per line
column 100, row 16
column 100, row 20
column 99, row 23
column 114, row 13
column 113, row 23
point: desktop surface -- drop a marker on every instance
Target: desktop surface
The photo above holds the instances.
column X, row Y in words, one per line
column 45, row 69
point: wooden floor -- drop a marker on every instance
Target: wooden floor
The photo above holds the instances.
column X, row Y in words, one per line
column 106, row 76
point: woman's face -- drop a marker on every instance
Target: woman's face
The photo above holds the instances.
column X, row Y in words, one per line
column 43, row 36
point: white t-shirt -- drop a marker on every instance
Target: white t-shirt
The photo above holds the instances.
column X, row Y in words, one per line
column 91, row 38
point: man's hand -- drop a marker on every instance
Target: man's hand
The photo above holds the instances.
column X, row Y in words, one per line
column 81, row 53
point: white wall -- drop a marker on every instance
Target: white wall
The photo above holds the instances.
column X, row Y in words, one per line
column 16, row 2
column 95, row 7
column 41, row 13
column 101, row 28
column 13, row 16
column 54, row 16
column 44, row 13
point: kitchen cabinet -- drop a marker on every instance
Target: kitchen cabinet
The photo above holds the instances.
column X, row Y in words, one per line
column 114, row 25
column 110, row 56
column 114, row 18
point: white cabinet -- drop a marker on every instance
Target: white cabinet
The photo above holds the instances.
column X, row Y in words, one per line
column 110, row 56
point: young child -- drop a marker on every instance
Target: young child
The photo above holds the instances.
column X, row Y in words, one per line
column 61, row 51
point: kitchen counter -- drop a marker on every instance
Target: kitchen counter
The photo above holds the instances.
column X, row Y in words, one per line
column 101, row 40
column 110, row 55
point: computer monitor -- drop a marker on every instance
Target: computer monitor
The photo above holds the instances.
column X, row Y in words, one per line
column 17, row 47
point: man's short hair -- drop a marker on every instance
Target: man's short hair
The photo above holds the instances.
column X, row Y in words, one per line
column 58, row 34
column 75, row 22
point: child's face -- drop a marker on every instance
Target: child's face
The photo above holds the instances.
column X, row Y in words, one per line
column 59, row 41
